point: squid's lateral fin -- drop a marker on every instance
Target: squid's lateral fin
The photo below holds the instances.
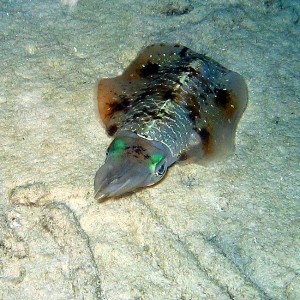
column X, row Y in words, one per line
column 216, row 136
column 115, row 95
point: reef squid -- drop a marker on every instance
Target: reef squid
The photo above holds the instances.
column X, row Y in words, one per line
column 170, row 104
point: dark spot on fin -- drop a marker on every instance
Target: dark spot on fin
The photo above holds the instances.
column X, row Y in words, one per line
column 222, row 97
column 183, row 156
column 168, row 95
column 112, row 129
column 204, row 134
column 149, row 69
column 121, row 104
column 206, row 140
column 183, row 52
column 193, row 106
column 226, row 100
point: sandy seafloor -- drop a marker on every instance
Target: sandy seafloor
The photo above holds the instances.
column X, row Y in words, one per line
column 229, row 230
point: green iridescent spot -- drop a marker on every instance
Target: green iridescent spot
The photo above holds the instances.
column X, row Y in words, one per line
column 117, row 147
column 154, row 160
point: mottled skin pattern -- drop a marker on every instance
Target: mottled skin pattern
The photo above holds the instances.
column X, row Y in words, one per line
column 182, row 103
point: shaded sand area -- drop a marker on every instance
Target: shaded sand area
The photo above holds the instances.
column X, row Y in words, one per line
column 230, row 230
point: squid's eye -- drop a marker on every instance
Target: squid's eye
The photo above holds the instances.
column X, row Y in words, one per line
column 161, row 170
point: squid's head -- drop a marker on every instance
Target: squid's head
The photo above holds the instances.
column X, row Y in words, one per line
column 132, row 162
